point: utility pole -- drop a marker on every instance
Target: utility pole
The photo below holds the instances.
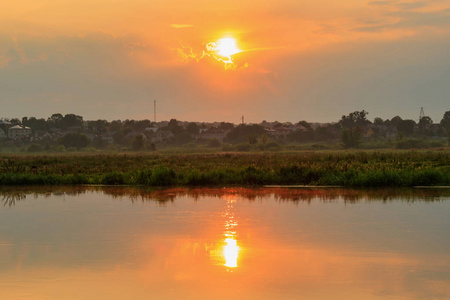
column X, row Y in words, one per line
column 154, row 111
column 242, row 119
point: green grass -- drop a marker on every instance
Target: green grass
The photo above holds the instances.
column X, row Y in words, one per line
column 343, row 168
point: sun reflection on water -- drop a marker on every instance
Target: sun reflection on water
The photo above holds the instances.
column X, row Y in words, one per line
column 230, row 249
column 230, row 252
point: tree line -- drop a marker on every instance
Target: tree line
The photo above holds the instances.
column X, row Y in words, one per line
column 350, row 131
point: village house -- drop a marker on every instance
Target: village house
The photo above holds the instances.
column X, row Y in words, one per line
column 19, row 132
column 212, row 133
column 161, row 136
column 279, row 132
column 41, row 135
column 299, row 127
column 2, row 134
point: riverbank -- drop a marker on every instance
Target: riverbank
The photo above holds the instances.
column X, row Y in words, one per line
column 328, row 168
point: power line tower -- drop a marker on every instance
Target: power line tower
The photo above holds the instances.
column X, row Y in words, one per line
column 242, row 120
column 422, row 114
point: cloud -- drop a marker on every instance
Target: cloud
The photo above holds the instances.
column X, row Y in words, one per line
column 400, row 5
column 178, row 26
column 411, row 5
column 210, row 50
column 407, row 19
column 381, row 3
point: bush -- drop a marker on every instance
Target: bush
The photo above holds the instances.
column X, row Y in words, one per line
column 61, row 148
column 243, row 147
column 115, row 178
column 34, row 148
column 418, row 144
column 75, row 140
column 214, row 143
column 138, row 143
column 272, row 146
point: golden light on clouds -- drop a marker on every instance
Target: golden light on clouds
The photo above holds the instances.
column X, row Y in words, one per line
column 222, row 50
column 214, row 56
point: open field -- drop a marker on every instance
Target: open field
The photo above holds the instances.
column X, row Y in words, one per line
column 340, row 168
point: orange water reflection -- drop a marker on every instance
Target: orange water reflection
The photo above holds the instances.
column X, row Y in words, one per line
column 222, row 244
column 231, row 248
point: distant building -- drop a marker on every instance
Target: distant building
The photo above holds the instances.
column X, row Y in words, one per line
column 161, row 136
column 19, row 132
column 212, row 133
column 2, row 134
column 280, row 131
column 41, row 135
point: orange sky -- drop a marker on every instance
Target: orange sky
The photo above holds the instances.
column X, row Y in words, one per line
column 111, row 59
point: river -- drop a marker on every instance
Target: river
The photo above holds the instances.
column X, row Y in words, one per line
column 224, row 243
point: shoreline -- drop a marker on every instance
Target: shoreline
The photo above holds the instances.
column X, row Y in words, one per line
column 327, row 169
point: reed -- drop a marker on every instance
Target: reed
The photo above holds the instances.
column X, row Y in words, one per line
column 352, row 169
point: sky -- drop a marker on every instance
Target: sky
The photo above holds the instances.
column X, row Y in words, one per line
column 296, row 60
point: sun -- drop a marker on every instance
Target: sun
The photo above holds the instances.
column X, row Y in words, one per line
column 226, row 47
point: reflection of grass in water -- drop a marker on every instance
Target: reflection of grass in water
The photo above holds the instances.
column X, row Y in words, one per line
column 352, row 169
column 12, row 198
column 10, row 195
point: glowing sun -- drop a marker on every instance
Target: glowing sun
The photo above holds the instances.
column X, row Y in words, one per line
column 227, row 47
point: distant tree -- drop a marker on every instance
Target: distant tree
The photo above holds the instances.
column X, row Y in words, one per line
column 71, row 120
column 395, row 121
column 151, row 147
column 241, row 133
column 34, row 148
column 174, row 127
column 378, row 121
column 300, row 136
column 305, row 124
column 264, row 138
column 322, row 134
column 142, row 124
column 138, row 143
column 128, row 126
column 181, row 138
column 99, row 143
column 445, row 122
column 15, row 121
column 214, row 143
column 55, row 120
column 226, row 126
column 192, row 128
column 98, row 126
column 406, row 127
column 351, row 138
column 357, row 118
column 424, row 124
column 277, row 124
column 252, row 139
column 119, row 138
column 115, row 125
column 35, row 124
column 75, row 140
column 173, row 122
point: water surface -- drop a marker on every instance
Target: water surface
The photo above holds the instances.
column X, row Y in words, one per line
column 230, row 243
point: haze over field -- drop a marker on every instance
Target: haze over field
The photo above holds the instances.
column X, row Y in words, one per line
column 206, row 60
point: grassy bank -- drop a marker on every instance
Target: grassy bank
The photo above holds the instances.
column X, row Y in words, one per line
column 353, row 169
